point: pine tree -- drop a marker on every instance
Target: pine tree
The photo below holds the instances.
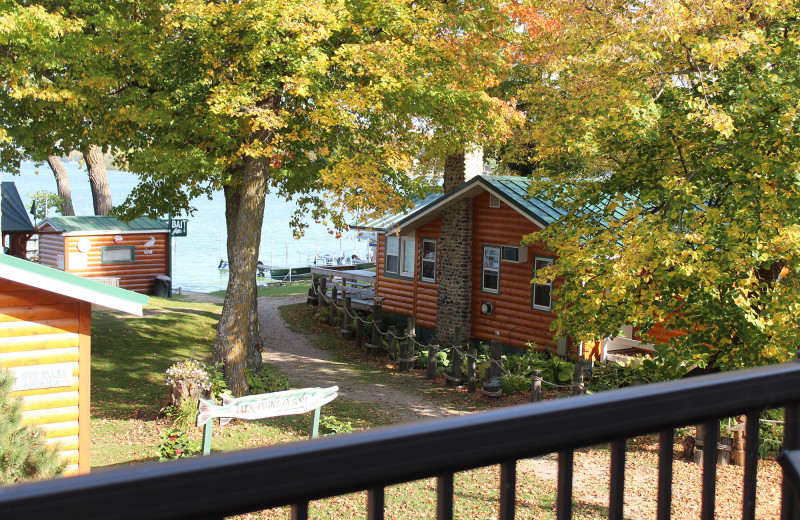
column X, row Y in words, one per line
column 24, row 455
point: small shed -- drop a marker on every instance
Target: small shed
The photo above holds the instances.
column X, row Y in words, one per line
column 45, row 341
column 129, row 255
column 16, row 225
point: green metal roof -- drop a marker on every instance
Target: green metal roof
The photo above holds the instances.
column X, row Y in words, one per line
column 386, row 221
column 59, row 282
column 95, row 223
column 514, row 190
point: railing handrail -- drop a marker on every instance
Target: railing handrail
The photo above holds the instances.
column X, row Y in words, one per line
column 252, row 480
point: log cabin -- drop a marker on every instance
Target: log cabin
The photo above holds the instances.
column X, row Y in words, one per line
column 45, row 341
column 490, row 294
column 17, row 227
column 128, row 255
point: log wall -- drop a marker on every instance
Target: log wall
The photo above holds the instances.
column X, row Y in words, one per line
column 514, row 322
column 42, row 328
column 138, row 276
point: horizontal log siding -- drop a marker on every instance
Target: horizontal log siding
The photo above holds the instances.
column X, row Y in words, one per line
column 138, row 276
column 399, row 294
column 513, row 322
column 39, row 327
column 426, row 293
column 50, row 246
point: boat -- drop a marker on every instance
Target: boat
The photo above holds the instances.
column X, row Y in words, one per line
column 265, row 271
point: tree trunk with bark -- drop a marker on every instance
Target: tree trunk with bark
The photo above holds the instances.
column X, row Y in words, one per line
column 98, row 179
column 62, row 184
column 244, row 214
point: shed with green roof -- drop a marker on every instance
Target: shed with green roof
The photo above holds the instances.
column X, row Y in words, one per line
column 45, row 342
column 125, row 254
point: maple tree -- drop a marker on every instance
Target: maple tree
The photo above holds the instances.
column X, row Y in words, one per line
column 667, row 131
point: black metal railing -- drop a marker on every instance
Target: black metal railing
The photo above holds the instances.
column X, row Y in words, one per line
column 294, row 474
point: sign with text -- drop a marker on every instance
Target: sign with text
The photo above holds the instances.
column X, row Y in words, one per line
column 179, row 227
column 289, row 402
column 42, row 376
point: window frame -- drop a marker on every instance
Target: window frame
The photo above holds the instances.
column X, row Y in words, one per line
column 103, row 250
column 423, row 260
column 550, row 261
column 404, row 243
column 484, row 270
column 386, row 256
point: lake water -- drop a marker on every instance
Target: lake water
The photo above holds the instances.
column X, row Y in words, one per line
column 196, row 256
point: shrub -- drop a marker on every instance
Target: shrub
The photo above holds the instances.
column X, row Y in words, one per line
column 175, row 444
column 268, row 379
column 330, row 425
column 611, row 375
column 770, row 434
column 512, row 384
column 554, row 369
column 24, row 455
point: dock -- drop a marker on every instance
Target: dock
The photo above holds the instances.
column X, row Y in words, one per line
column 358, row 284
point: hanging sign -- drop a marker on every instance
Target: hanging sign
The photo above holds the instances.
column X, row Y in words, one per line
column 179, row 227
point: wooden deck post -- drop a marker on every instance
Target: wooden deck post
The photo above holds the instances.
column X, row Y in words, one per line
column 454, row 376
column 347, row 330
column 433, row 356
column 313, row 291
column 332, row 320
column 536, row 386
column 377, row 322
column 472, row 353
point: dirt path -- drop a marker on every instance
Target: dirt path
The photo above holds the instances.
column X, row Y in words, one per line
column 305, row 365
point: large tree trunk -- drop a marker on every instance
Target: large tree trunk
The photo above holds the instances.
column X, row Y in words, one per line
column 62, row 184
column 98, row 179
column 244, row 214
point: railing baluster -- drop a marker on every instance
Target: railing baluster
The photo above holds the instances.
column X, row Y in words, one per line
column 710, row 441
column 508, row 489
column 444, row 497
column 375, row 504
column 791, row 441
column 300, row 511
column 666, row 440
column 616, row 494
column 564, row 497
column 750, row 466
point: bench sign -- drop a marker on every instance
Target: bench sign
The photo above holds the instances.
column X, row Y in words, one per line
column 42, row 376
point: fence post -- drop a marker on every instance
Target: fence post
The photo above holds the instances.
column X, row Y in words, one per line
column 454, row 377
column 497, row 354
column 433, row 356
column 407, row 353
column 472, row 353
column 323, row 292
column 313, row 291
column 536, row 386
column 392, row 343
column 377, row 321
column 347, row 330
column 359, row 331
column 332, row 320
column 577, row 379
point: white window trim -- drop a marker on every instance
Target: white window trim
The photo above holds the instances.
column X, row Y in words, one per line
column 484, row 269
column 405, row 242
column 549, row 283
column 423, row 259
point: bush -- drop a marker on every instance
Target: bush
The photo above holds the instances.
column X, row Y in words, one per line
column 24, row 455
column 268, row 379
column 175, row 444
column 611, row 375
column 511, row 384
column 770, row 434
column 554, row 369
column 330, row 425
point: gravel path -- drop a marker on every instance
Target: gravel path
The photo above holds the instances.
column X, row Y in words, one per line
column 305, row 365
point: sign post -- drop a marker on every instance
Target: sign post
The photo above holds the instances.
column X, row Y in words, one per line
column 261, row 406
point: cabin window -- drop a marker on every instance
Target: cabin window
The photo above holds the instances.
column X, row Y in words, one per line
column 490, row 273
column 392, row 264
column 428, row 260
column 407, row 266
column 541, row 291
column 117, row 255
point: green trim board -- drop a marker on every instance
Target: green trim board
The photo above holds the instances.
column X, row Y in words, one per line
column 101, row 296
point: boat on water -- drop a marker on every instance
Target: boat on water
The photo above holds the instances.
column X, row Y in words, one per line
column 296, row 273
